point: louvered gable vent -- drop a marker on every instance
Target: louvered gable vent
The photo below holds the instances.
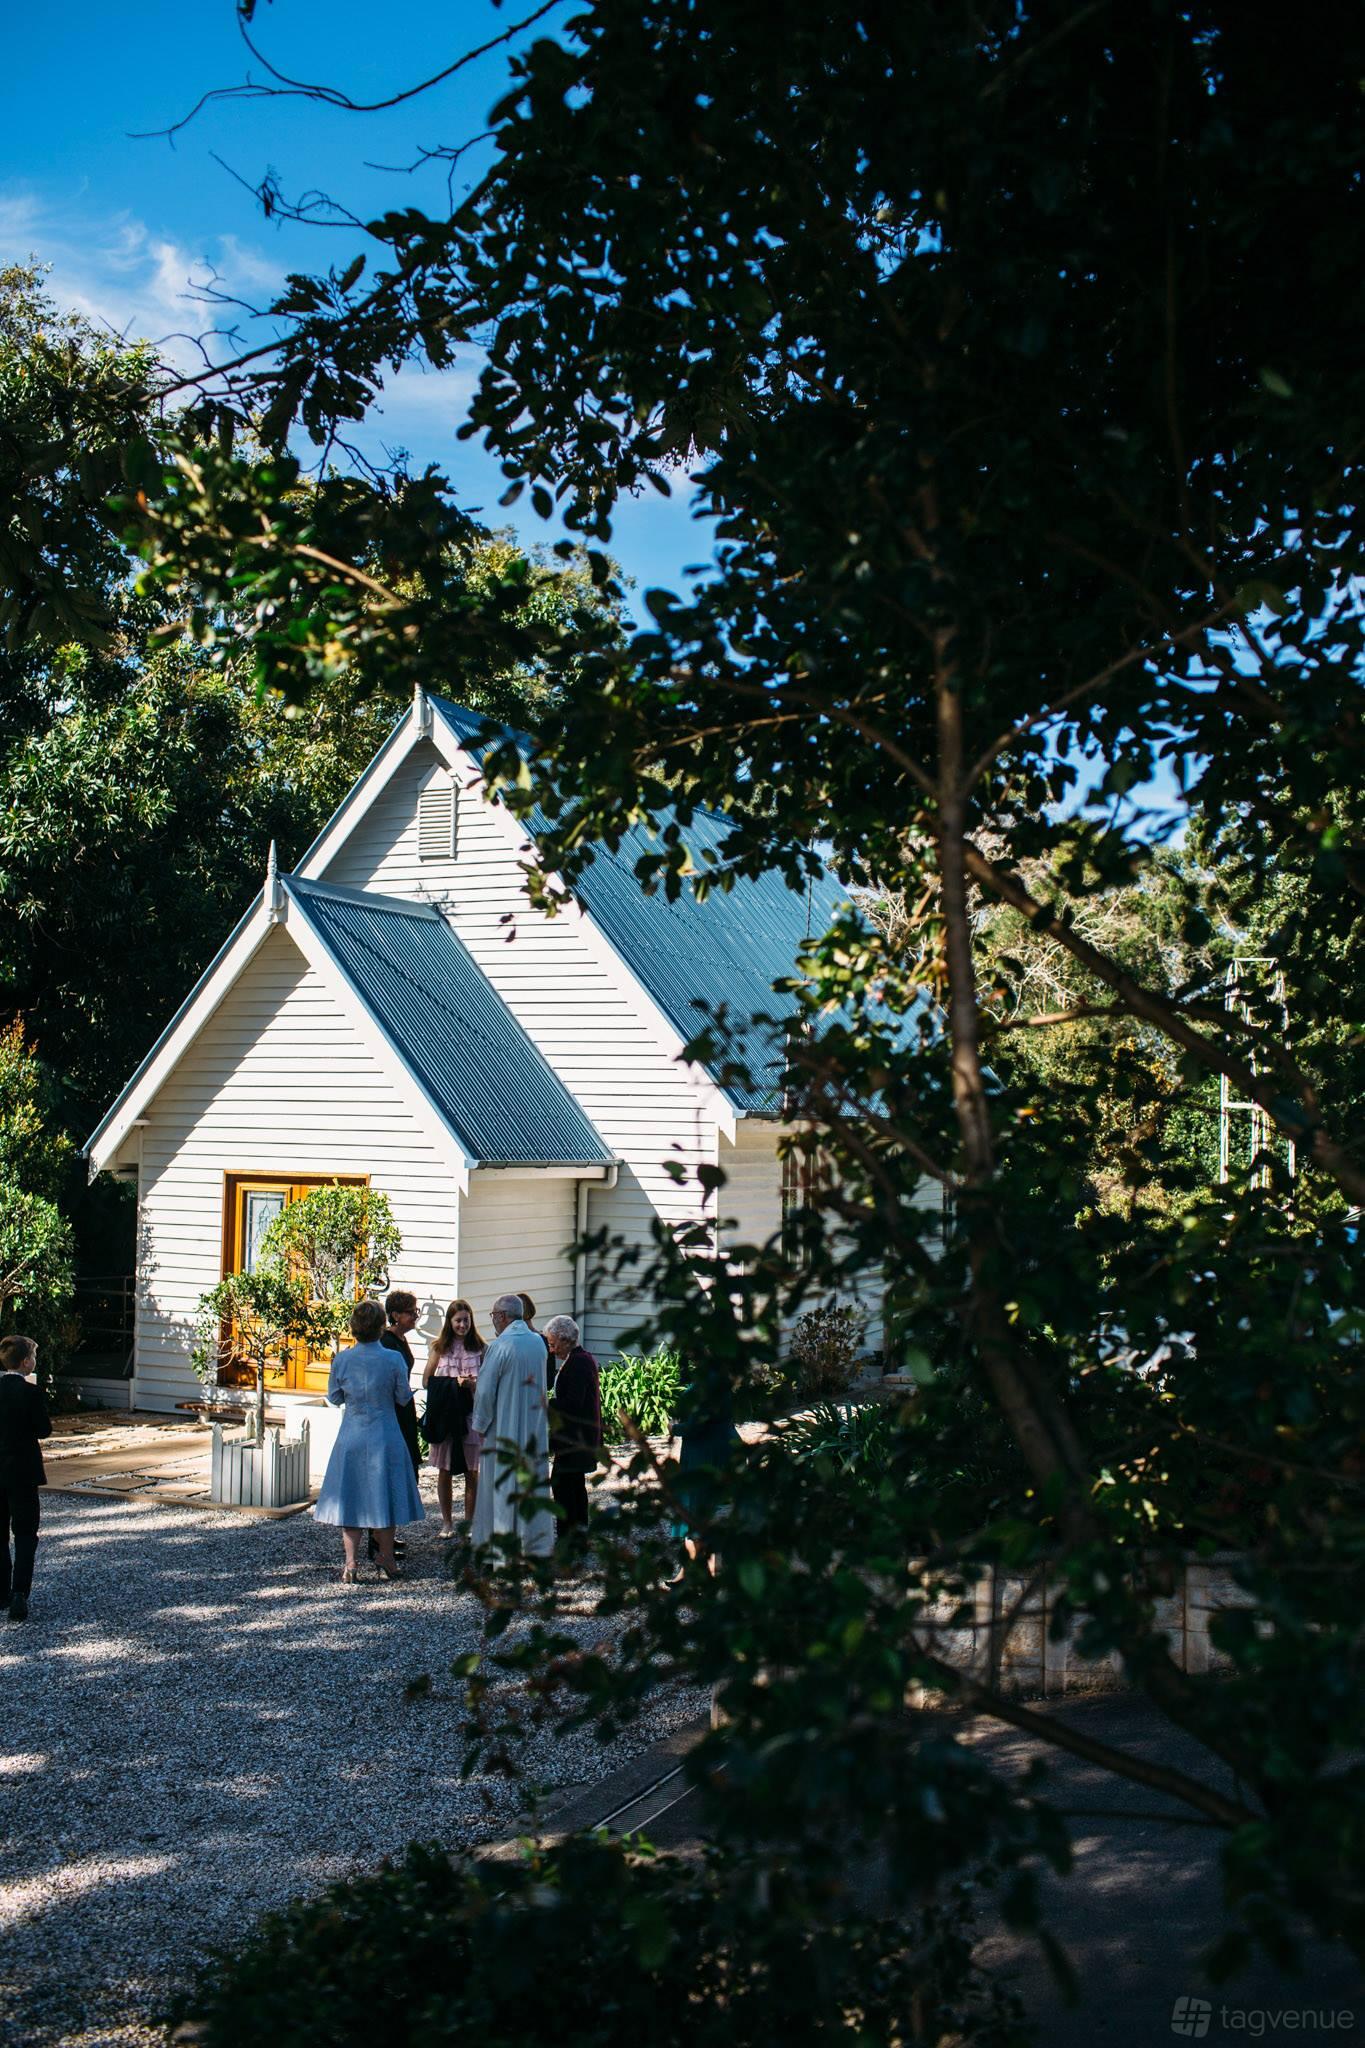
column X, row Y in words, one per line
column 436, row 822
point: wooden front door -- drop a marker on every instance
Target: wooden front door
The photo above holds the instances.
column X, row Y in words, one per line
column 252, row 1202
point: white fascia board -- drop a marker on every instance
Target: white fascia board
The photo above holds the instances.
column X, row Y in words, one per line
column 588, row 1173
column 399, row 906
column 406, row 1083
column 106, row 1140
column 368, row 785
column 617, row 970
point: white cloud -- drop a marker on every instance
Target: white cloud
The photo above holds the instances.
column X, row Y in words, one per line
column 421, row 409
column 124, row 276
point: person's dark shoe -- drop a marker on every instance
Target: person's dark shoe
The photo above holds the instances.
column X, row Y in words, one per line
column 18, row 1608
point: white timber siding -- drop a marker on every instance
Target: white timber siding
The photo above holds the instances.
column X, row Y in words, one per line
column 381, row 853
column 870, row 1293
column 752, row 1198
column 515, row 1234
column 752, row 1195
column 647, row 1108
column 277, row 1082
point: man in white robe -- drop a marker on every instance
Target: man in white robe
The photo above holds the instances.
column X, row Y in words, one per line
column 510, row 1409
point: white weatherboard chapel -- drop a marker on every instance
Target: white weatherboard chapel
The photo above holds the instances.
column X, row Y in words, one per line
column 395, row 1012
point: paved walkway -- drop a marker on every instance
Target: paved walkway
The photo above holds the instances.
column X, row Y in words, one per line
column 1142, row 1905
column 133, row 1457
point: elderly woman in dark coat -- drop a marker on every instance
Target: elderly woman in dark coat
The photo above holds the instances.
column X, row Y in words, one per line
column 575, row 1421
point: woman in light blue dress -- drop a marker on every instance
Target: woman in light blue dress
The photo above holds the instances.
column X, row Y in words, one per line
column 369, row 1483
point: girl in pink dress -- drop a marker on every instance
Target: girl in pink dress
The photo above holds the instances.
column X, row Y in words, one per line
column 456, row 1354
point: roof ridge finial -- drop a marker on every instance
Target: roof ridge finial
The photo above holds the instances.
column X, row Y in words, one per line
column 273, row 894
column 421, row 711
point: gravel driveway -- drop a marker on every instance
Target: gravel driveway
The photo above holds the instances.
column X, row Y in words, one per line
column 199, row 1722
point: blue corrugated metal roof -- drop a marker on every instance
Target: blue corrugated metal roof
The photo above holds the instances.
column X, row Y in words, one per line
column 729, row 948
column 451, row 1028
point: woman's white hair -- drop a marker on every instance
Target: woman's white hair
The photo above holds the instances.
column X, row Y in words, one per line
column 561, row 1326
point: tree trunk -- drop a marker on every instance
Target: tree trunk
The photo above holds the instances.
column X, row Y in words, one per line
column 1042, row 1431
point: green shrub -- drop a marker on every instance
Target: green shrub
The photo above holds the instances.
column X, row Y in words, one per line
column 824, row 1350
column 594, row 1943
column 36, row 1277
column 645, row 1389
column 36, row 1240
column 860, row 1441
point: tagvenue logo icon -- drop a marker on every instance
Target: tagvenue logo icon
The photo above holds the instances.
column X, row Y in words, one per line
column 1190, row 2017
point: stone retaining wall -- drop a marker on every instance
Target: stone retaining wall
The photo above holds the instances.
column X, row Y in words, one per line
column 1006, row 1638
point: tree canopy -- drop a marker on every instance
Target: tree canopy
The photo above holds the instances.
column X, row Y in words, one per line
column 146, row 760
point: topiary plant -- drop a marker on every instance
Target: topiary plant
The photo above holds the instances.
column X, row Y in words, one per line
column 339, row 1242
column 251, row 1319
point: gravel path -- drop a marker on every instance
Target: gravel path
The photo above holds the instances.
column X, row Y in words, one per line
column 200, row 1722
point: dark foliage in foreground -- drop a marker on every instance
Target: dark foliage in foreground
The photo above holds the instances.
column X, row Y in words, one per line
column 596, row 1944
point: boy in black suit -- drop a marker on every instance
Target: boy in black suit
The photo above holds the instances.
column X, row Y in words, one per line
column 24, row 1421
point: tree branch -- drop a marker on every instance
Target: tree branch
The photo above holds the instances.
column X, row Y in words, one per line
column 1091, row 685
column 992, row 1028
column 330, row 95
column 1226, row 1813
column 1305, row 1130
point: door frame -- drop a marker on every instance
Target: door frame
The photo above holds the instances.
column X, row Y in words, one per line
column 303, row 1371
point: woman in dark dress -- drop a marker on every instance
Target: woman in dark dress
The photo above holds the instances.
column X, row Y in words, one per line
column 450, row 1379
column 528, row 1310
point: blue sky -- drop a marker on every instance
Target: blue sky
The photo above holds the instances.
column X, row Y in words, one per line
column 134, row 225
column 134, row 228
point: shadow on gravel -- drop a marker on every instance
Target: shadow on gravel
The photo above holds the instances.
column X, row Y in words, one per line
column 201, row 1722
column 1141, row 1906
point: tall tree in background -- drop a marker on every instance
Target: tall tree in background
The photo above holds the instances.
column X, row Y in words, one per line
column 35, row 1237
column 145, row 766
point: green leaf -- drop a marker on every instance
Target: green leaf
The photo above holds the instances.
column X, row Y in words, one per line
column 752, row 1577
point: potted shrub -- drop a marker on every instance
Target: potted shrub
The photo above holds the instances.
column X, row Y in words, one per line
column 248, row 1320
column 322, row 1254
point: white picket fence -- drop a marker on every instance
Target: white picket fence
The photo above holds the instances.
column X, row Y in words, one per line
column 246, row 1474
